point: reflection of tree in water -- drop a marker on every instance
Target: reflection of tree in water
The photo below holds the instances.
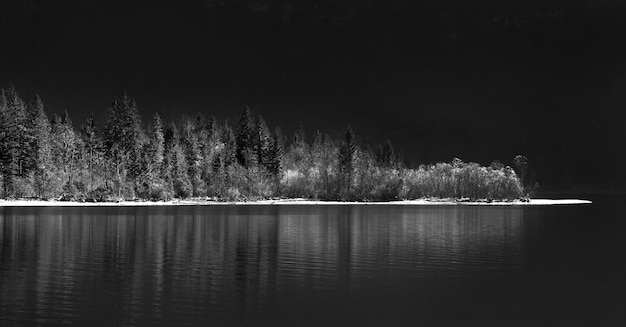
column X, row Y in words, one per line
column 159, row 262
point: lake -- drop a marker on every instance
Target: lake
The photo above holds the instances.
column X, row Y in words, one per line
column 314, row 265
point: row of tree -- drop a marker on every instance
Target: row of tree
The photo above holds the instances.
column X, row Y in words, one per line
column 203, row 158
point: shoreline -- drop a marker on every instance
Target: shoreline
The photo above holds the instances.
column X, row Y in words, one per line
column 420, row 202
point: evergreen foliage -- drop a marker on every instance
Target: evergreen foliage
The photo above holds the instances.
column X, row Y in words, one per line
column 205, row 158
column 40, row 149
column 347, row 156
column 245, row 139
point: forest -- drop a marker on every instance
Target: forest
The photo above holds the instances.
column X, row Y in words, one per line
column 45, row 157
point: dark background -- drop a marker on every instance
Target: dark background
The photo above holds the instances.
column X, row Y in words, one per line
column 479, row 80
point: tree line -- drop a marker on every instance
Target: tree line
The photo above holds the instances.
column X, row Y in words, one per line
column 200, row 157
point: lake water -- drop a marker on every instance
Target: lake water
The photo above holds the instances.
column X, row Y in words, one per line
column 314, row 265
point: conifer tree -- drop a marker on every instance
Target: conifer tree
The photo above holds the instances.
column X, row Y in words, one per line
column 40, row 148
column 297, row 164
column 149, row 182
column 13, row 135
column 66, row 145
column 317, row 151
column 298, row 148
column 154, row 159
column 213, row 128
column 175, row 165
column 201, row 133
column 324, row 154
column 275, row 154
column 385, row 155
column 263, row 143
column 245, row 139
column 124, row 133
column 211, row 149
column 193, row 156
column 230, row 146
column 347, row 153
column 46, row 159
column 157, row 141
column 92, row 151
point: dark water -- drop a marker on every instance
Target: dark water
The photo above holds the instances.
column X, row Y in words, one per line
column 314, row 266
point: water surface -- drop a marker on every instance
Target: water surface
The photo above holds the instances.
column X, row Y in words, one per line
column 314, row 266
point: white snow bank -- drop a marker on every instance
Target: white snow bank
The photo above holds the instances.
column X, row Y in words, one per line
column 39, row 203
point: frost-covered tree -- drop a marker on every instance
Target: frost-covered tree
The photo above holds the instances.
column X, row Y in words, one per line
column 347, row 155
column 298, row 150
column 157, row 141
column 124, row 133
column 40, row 149
column 385, row 156
column 192, row 148
column 151, row 183
column 229, row 152
column 275, row 154
column 245, row 139
column 175, row 171
column 50, row 159
column 14, row 155
column 324, row 159
column 92, row 154
column 263, row 142
column 66, row 145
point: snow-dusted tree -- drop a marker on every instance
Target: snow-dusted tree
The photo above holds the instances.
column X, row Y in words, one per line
column 157, row 142
column 245, row 139
column 66, row 145
column 40, row 149
column 191, row 145
column 298, row 151
column 229, row 153
column 92, row 154
column 324, row 159
column 175, row 172
column 150, row 181
column 263, row 141
column 276, row 152
column 211, row 148
column 13, row 136
column 124, row 133
column 347, row 155
column 385, row 156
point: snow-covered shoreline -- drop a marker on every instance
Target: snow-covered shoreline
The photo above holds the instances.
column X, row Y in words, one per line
column 421, row 202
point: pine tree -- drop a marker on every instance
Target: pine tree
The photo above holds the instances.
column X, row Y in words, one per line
column 385, row 155
column 347, row 152
column 150, row 180
column 66, row 146
column 211, row 150
column 193, row 156
column 201, row 132
column 324, row 158
column 245, row 139
column 213, row 128
column 124, row 133
column 157, row 141
column 92, row 151
column 13, row 135
column 40, row 148
column 275, row 153
column 298, row 152
column 229, row 152
column 6, row 157
column 175, row 172
column 317, row 152
column 263, row 143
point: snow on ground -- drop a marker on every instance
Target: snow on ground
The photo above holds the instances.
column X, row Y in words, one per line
column 39, row 203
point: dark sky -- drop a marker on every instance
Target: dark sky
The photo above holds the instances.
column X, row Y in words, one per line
column 480, row 80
